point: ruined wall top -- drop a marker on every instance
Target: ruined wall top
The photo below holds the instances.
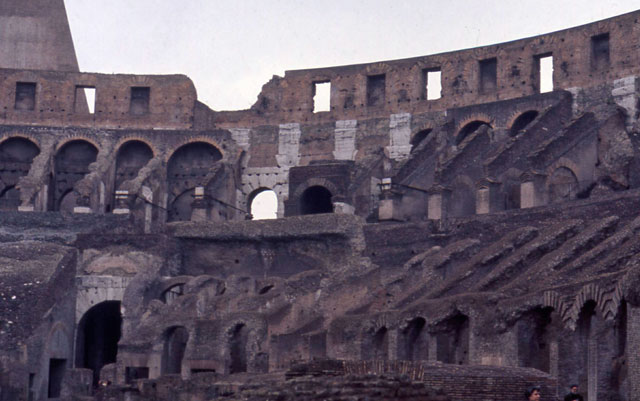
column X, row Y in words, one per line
column 583, row 56
column 32, row 97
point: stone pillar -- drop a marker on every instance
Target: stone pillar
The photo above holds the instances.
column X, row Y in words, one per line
column 147, row 195
column 388, row 207
column 487, row 195
column 399, row 136
column 625, row 95
column 199, row 205
column 532, row 191
column 342, row 207
column 438, row 203
column 633, row 350
column 288, row 145
column 392, row 343
column 345, row 140
column 121, row 202
column 433, row 347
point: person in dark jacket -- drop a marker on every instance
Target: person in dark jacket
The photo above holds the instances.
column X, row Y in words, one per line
column 573, row 394
column 532, row 394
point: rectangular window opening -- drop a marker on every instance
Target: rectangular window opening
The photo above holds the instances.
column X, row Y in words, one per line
column 85, row 100
column 56, row 374
column 432, row 83
column 139, row 100
column 136, row 373
column 321, row 96
column 25, row 96
column 488, row 75
column 375, row 90
column 600, row 51
column 545, row 72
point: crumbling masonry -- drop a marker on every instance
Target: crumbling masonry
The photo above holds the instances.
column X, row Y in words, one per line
column 460, row 246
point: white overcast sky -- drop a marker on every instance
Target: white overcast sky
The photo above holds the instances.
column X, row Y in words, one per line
column 230, row 48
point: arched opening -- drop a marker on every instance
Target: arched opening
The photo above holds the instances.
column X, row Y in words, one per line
column 71, row 165
column 563, row 185
column 316, row 200
column 469, row 129
column 97, row 337
column 375, row 345
column 414, row 341
column 534, row 339
column 188, row 167
column 175, row 344
column 452, row 340
column 419, row 138
column 16, row 156
column 522, row 122
column 131, row 157
column 238, row 349
column 170, row 294
column 263, row 204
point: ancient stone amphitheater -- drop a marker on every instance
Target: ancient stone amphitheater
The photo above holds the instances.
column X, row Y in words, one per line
column 453, row 244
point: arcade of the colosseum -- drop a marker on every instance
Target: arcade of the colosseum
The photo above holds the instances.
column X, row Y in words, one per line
column 454, row 247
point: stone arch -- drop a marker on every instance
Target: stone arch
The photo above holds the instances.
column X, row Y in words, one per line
column 419, row 137
column 238, row 336
column 452, row 339
column 131, row 156
column 562, row 185
column 188, row 167
column 97, row 336
column 316, row 199
column 16, row 156
column 175, row 341
column 195, row 140
column 469, row 125
column 261, row 192
column 413, row 341
column 463, row 197
column 71, row 164
column 520, row 121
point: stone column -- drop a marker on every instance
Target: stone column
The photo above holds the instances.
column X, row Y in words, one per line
column 199, row 205
column 532, row 191
column 147, row 194
column 487, row 196
column 399, row 136
column 345, row 140
column 438, row 202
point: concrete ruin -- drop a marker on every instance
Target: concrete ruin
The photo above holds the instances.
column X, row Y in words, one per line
column 461, row 246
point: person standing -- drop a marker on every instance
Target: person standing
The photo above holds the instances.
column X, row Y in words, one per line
column 573, row 394
column 532, row 394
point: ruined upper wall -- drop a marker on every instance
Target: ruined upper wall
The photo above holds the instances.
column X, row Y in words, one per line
column 584, row 56
column 121, row 101
column 35, row 34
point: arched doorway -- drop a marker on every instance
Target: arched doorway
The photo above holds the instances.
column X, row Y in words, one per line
column 238, row 349
column 71, row 165
column 175, row 345
column 97, row 337
column 16, row 156
column 188, row 167
column 263, row 204
column 316, row 200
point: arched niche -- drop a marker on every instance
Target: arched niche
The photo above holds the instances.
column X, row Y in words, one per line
column 131, row 157
column 238, row 337
column 97, row 336
column 413, row 344
column 71, row 164
column 562, row 185
column 452, row 340
column 419, row 137
column 375, row 344
column 315, row 200
column 174, row 347
column 469, row 129
column 263, row 204
column 188, row 167
column 522, row 121
column 16, row 156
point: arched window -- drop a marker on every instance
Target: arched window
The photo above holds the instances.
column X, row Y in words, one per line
column 16, row 156
column 71, row 165
column 131, row 157
column 316, row 200
column 522, row 122
column 263, row 204
column 419, row 138
column 469, row 129
column 175, row 344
